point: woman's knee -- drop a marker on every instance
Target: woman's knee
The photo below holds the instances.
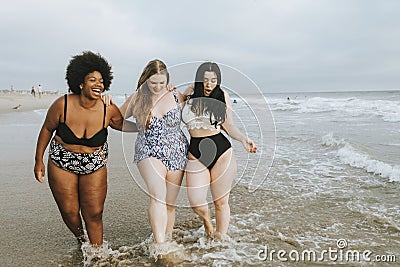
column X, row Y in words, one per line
column 69, row 213
column 93, row 215
column 201, row 210
column 157, row 198
column 159, row 195
column 222, row 203
column 156, row 204
column 197, row 202
column 170, row 208
column 96, row 216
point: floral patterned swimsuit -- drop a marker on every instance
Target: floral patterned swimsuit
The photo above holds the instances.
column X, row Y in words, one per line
column 164, row 140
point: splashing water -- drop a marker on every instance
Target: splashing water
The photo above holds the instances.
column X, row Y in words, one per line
column 92, row 255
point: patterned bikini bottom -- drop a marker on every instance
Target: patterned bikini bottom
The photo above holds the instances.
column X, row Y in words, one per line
column 78, row 163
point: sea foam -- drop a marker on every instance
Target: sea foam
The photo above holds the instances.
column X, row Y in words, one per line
column 351, row 156
column 387, row 110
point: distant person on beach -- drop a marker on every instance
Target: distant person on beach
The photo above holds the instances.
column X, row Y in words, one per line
column 33, row 92
column 40, row 91
column 160, row 148
column 78, row 152
column 211, row 160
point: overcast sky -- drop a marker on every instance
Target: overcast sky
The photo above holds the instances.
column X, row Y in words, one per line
column 298, row 45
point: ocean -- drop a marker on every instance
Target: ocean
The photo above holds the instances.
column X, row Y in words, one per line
column 323, row 190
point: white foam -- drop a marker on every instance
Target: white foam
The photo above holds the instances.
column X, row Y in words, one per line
column 40, row 112
column 388, row 110
column 379, row 212
column 350, row 156
column 157, row 250
column 92, row 254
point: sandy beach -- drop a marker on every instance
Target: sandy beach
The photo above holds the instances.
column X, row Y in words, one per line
column 11, row 100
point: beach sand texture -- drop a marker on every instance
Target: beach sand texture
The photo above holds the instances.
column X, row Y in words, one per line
column 8, row 101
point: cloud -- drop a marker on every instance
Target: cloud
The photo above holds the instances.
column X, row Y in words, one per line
column 282, row 45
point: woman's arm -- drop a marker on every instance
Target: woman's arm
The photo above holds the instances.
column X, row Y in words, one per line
column 230, row 128
column 118, row 122
column 182, row 97
column 188, row 91
column 46, row 132
column 126, row 108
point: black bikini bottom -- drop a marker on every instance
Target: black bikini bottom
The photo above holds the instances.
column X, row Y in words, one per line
column 209, row 149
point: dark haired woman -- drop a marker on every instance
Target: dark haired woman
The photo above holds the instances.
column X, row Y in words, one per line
column 211, row 159
column 78, row 151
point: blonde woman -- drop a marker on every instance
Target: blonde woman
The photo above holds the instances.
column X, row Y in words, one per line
column 161, row 147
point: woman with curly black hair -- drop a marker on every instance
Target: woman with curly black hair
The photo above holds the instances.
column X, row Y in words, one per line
column 211, row 160
column 78, row 151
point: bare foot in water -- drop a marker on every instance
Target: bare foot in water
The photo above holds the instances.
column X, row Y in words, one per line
column 169, row 253
column 168, row 237
column 222, row 237
column 208, row 228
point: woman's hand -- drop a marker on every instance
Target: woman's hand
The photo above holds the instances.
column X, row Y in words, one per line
column 171, row 87
column 39, row 171
column 107, row 99
column 249, row 145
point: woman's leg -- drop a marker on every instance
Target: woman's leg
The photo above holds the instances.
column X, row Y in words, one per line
column 197, row 182
column 64, row 186
column 222, row 175
column 173, row 184
column 154, row 172
column 92, row 195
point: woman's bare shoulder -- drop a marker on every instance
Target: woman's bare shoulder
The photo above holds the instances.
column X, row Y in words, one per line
column 58, row 103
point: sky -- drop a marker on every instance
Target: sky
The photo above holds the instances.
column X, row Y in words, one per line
column 279, row 45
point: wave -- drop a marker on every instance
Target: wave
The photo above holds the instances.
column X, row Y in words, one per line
column 387, row 110
column 351, row 156
column 40, row 112
column 377, row 215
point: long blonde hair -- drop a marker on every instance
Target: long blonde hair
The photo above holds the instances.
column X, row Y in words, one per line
column 142, row 103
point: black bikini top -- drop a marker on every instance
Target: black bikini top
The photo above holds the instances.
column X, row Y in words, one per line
column 68, row 136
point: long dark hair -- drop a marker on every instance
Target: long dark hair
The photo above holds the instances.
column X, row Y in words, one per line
column 214, row 104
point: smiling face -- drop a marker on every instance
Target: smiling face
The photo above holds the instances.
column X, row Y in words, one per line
column 93, row 85
column 210, row 82
column 157, row 83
